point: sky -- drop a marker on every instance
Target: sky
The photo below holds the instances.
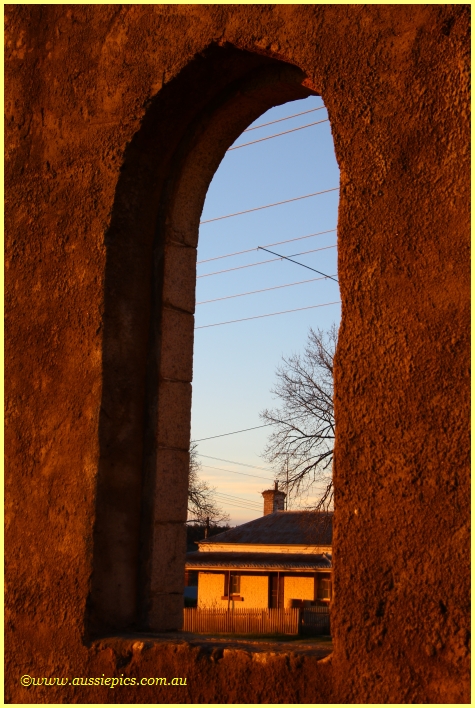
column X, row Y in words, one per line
column 234, row 364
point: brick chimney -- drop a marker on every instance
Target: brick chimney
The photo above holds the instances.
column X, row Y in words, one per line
column 273, row 500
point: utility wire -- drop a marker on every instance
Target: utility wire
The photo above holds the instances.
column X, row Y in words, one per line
column 223, row 499
column 266, row 425
column 267, row 206
column 242, row 500
column 223, row 435
column 239, row 506
column 241, row 464
column 234, row 502
column 265, row 290
column 270, row 314
column 279, row 120
column 278, row 243
column 227, row 504
column 238, row 498
column 269, row 260
column 302, row 264
column 277, row 135
column 256, row 511
column 245, row 474
column 228, row 270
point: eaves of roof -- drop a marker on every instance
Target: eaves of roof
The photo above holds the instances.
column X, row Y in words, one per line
column 258, row 561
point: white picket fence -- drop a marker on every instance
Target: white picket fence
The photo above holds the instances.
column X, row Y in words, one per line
column 241, row 621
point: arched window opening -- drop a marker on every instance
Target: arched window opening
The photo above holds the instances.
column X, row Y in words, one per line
column 139, row 539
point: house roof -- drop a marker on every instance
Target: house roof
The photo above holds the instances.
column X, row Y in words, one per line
column 281, row 528
column 260, row 561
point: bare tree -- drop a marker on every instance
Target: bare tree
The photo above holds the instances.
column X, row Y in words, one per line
column 202, row 504
column 300, row 446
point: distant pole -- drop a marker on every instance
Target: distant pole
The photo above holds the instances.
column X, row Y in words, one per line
column 207, row 527
column 287, row 485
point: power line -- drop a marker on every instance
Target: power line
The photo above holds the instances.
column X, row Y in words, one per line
column 223, row 435
column 234, row 502
column 255, row 506
column 278, row 243
column 265, row 290
column 270, row 314
column 244, row 474
column 238, row 498
column 269, row 260
column 287, row 258
column 240, row 506
column 241, row 464
column 277, row 135
column 267, row 206
column 295, row 115
column 228, row 270
column 266, row 425
column 242, row 500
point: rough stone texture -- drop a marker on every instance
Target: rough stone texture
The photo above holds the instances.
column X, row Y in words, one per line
column 116, row 119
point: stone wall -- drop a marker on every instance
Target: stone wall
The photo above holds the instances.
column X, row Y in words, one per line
column 117, row 117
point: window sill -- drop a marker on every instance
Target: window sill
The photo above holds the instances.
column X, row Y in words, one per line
column 234, row 598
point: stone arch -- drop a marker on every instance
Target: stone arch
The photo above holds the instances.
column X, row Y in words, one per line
column 138, row 554
column 395, row 81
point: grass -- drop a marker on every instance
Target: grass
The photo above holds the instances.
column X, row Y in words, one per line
column 271, row 637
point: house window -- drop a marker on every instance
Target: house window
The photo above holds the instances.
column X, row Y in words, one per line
column 191, row 578
column 235, row 584
column 276, row 590
column 325, row 589
column 232, row 585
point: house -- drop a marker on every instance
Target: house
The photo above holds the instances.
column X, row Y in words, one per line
column 283, row 559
